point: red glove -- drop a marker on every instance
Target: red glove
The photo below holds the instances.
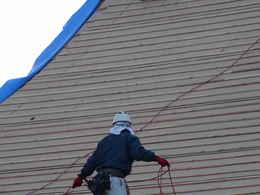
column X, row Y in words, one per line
column 163, row 162
column 77, row 182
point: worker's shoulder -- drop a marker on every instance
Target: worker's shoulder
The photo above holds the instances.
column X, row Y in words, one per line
column 108, row 137
column 130, row 137
column 123, row 135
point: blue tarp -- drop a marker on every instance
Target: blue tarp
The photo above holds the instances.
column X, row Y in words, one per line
column 70, row 29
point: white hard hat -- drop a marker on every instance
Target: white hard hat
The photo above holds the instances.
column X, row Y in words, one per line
column 121, row 117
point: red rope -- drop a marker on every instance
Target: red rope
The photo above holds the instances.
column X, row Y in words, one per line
column 172, row 181
column 68, row 192
column 199, row 85
column 159, row 180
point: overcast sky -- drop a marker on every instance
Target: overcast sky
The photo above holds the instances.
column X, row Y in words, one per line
column 27, row 28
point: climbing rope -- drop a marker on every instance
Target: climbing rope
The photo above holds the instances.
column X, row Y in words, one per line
column 68, row 192
column 199, row 85
column 161, row 172
column 59, row 176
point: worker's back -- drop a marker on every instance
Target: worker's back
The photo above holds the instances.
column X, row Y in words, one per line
column 113, row 152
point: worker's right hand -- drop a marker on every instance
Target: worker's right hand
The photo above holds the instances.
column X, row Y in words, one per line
column 163, row 162
column 77, row 182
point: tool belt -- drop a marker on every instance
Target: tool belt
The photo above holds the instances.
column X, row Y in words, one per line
column 101, row 182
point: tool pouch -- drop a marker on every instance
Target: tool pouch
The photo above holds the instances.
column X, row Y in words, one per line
column 100, row 183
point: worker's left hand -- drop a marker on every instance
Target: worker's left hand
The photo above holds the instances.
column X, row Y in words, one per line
column 77, row 182
column 163, row 162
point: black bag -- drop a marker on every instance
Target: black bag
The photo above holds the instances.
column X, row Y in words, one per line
column 100, row 183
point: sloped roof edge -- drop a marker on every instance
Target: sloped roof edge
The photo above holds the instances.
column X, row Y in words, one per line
column 69, row 30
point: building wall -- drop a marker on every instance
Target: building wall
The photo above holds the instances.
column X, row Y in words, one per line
column 187, row 71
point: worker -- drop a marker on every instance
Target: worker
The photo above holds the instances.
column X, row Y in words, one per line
column 113, row 159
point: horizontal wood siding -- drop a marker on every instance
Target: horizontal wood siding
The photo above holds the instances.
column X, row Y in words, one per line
column 188, row 73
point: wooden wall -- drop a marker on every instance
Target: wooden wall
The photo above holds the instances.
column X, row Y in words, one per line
column 188, row 73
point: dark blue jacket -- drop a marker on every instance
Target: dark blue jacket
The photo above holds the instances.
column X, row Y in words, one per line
column 117, row 151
